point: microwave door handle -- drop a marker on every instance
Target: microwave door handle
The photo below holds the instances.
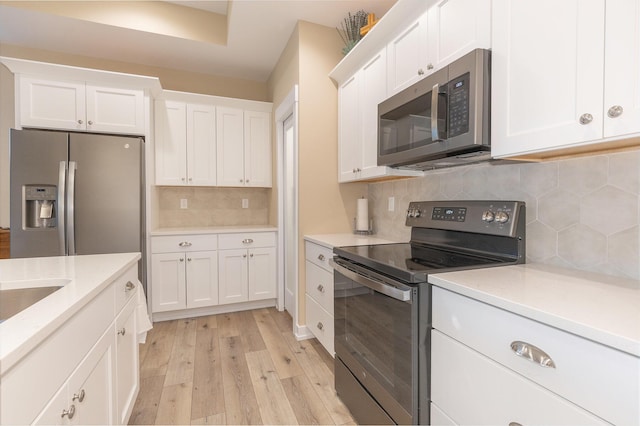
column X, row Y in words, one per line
column 435, row 91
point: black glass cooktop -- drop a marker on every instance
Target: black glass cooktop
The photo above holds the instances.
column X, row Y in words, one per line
column 411, row 262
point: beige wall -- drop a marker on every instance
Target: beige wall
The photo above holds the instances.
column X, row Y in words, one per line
column 7, row 119
column 324, row 205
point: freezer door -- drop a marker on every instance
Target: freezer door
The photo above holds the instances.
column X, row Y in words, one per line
column 36, row 160
column 107, row 192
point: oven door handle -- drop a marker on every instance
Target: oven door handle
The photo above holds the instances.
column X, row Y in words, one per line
column 379, row 286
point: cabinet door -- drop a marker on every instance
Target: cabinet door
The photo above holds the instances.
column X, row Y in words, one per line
column 622, row 68
column 112, row 110
column 349, row 138
column 545, row 78
column 257, row 148
column 233, row 277
column 52, row 104
column 262, row 273
column 373, row 90
column 171, row 143
column 408, row 57
column 202, row 278
column 168, row 282
column 127, row 377
column 456, row 27
column 91, row 387
column 230, row 146
column 201, row 145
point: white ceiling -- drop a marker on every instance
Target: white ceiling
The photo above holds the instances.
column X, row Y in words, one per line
column 258, row 31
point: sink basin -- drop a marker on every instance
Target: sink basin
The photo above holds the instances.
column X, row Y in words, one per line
column 19, row 295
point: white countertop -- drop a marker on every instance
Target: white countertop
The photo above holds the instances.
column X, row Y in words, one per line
column 85, row 277
column 601, row 308
column 342, row 240
column 213, row 230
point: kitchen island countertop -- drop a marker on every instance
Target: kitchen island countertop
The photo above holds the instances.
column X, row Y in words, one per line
column 602, row 308
column 82, row 277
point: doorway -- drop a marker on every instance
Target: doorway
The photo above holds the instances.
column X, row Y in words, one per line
column 287, row 143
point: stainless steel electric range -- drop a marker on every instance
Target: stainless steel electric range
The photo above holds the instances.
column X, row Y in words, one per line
column 382, row 302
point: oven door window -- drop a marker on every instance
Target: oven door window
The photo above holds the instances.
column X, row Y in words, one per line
column 376, row 331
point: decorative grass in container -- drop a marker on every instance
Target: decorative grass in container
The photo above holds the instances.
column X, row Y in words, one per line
column 350, row 29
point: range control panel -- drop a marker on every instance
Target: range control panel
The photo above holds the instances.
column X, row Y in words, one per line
column 488, row 217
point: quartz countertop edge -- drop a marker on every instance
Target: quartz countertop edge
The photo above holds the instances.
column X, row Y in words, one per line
column 212, row 230
column 87, row 276
column 344, row 239
column 601, row 308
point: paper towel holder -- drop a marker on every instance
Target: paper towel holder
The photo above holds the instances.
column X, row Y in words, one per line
column 362, row 232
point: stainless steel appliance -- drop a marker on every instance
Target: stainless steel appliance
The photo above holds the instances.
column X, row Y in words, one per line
column 442, row 120
column 382, row 302
column 76, row 193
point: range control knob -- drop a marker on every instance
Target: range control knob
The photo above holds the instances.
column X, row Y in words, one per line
column 488, row 216
column 502, row 217
column 413, row 212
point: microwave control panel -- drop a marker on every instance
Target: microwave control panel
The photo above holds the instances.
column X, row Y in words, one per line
column 458, row 89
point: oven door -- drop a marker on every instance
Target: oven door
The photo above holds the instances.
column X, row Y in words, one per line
column 376, row 339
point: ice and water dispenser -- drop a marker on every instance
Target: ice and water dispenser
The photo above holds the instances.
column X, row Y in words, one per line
column 39, row 206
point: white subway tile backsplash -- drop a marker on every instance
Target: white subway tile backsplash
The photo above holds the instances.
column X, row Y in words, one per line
column 581, row 213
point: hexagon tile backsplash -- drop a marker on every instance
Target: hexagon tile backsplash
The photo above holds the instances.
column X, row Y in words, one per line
column 582, row 213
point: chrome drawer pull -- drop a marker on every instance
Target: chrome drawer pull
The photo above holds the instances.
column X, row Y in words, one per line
column 532, row 353
column 320, row 326
column 247, row 241
column 321, row 257
column 69, row 413
column 185, row 244
column 320, row 288
column 129, row 286
column 79, row 397
column 122, row 331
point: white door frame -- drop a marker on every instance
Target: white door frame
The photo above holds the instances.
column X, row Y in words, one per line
column 288, row 107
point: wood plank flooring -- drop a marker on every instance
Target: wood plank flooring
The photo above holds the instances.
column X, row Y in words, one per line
column 237, row 368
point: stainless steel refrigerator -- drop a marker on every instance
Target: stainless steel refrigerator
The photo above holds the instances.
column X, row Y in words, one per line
column 76, row 193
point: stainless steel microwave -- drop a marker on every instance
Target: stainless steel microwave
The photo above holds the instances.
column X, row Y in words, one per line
column 440, row 121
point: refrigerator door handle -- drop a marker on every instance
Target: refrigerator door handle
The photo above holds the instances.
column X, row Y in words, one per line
column 71, row 237
column 62, row 233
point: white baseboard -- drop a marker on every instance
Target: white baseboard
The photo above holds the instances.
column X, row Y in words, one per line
column 212, row 310
column 302, row 332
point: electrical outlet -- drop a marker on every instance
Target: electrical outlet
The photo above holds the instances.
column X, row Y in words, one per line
column 245, row 203
column 183, row 203
column 392, row 204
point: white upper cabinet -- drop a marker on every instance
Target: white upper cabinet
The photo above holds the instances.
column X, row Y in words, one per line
column 456, row 27
column 244, row 147
column 80, row 106
column 573, row 83
column 349, row 141
column 408, row 57
column 185, row 144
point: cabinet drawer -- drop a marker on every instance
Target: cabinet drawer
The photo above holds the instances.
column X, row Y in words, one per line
column 247, row 240
column 123, row 288
column 320, row 286
column 177, row 243
column 472, row 389
column 585, row 372
column 319, row 255
column 320, row 322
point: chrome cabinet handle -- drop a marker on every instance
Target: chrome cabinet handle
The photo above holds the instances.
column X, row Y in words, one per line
column 189, row 259
column 244, row 255
column 181, row 259
column 532, row 353
column 122, row 331
column 320, row 288
column 247, row 241
column 80, row 121
column 586, row 118
column 79, row 397
column 321, row 257
column 185, row 244
column 320, row 326
column 129, row 286
column 251, row 255
column 420, row 71
column 70, row 412
column 90, row 122
column 430, row 66
column 615, row 111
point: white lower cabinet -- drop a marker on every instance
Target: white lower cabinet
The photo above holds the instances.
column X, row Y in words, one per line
column 127, row 374
column 247, row 274
column 477, row 376
column 184, row 272
column 319, row 293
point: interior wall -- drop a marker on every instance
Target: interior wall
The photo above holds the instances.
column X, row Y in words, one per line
column 7, row 120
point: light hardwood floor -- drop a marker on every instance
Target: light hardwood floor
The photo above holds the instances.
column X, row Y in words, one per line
column 237, row 368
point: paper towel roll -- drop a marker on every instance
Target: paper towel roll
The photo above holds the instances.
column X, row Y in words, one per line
column 362, row 215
